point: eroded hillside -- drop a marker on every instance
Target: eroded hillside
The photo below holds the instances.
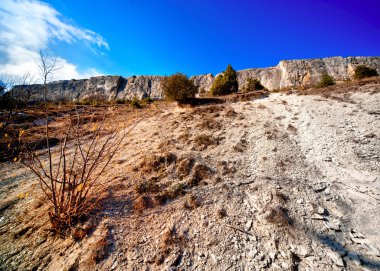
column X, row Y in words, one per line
column 287, row 182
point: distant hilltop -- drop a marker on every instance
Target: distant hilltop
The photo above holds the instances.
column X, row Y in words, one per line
column 288, row 73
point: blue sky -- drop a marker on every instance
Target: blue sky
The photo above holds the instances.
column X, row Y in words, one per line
column 135, row 37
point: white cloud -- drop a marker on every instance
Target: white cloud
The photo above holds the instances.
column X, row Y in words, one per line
column 30, row 26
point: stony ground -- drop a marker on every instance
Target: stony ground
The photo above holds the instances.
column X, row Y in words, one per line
column 287, row 182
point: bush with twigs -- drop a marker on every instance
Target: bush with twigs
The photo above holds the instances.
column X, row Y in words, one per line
column 178, row 87
column 71, row 177
column 363, row 71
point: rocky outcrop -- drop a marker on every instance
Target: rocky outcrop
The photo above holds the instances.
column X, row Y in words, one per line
column 292, row 73
column 288, row 73
column 99, row 88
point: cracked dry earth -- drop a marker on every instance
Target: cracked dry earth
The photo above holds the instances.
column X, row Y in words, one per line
column 286, row 182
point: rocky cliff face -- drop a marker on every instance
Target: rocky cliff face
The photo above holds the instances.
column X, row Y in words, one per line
column 291, row 73
column 288, row 73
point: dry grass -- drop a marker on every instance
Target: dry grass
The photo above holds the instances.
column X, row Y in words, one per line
column 230, row 112
column 142, row 203
column 277, row 215
column 78, row 234
column 200, row 172
column 281, row 196
column 209, row 123
column 202, row 141
column 169, row 240
column 184, row 137
column 156, row 162
column 207, row 110
column 192, row 202
column 261, row 106
column 226, row 168
column 341, row 88
column 32, row 121
column 147, row 186
column 184, row 167
column 100, row 249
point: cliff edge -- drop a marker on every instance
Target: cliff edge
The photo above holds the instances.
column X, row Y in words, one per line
column 288, row 73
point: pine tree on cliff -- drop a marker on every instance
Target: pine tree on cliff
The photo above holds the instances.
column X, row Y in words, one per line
column 226, row 83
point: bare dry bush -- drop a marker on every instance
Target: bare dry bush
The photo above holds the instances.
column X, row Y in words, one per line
column 71, row 177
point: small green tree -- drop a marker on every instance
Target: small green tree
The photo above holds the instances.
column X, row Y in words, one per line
column 326, row 81
column 363, row 71
column 226, row 83
column 178, row 87
column 252, row 85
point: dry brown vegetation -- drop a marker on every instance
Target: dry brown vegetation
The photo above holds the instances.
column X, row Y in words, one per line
column 71, row 180
column 333, row 90
column 31, row 120
column 202, row 141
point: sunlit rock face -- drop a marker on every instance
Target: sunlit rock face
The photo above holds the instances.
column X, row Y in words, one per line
column 288, row 73
column 292, row 73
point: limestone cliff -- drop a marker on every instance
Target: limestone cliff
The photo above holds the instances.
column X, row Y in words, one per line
column 288, row 73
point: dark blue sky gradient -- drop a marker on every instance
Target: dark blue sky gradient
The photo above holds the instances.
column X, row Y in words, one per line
column 195, row 37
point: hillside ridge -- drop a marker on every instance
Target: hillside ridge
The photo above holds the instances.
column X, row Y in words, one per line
column 288, row 73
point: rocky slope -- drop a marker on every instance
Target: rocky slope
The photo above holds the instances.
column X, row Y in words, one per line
column 288, row 182
column 289, row 73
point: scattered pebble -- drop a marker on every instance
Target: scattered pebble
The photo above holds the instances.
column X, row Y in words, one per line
column 332, row 225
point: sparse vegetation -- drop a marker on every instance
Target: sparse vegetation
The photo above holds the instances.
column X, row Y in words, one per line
column 143, row 202
column 94, row 100
column 69, row 184
column 252, row 85
column 156, row 163
column 135, row 103
column 178, row 87
column 326, row 81
column 200, row 173
column 363, row 71
column 100, row 250
column 192, row 202
column 225, row 83
column 278, row 215
column 184, row 167
column 147, row 187
column 202, row 141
